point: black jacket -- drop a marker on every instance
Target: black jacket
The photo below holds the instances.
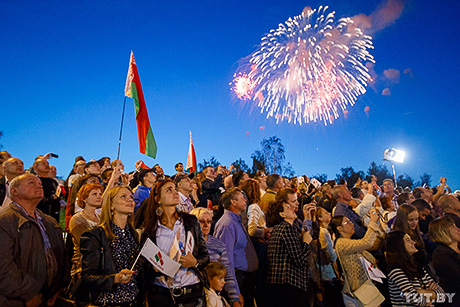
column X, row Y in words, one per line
column 98, row 266
column 211, row 190
column 446, row 262
column 200, row 251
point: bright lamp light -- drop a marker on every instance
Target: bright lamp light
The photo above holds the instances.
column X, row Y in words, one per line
column 394, row 155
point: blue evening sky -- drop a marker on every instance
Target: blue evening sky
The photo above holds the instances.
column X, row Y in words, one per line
column 64, row 63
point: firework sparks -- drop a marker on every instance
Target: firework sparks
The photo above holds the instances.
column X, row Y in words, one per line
column 243, row 86
column 308, row 69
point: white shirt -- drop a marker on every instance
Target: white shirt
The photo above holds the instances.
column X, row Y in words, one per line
column 185, row 203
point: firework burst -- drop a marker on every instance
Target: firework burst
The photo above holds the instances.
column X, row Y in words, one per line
column 243, row 86
column 308, row 69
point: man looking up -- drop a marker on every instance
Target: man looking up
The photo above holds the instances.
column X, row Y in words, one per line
column 4, row 155
column 31, row 260
column 212, row 184
column 241, row 253
column 343, row 197
column 274, row 184
column 147, row 180
column 93, row 168
column 450, row 205
column 179, row 167
column 159, row 173
column 389, row 191
column 12, row 168
column 50, row 203
column 184, row 187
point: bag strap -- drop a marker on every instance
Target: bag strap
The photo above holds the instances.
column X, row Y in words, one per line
column 344, row 274
column 346, row 282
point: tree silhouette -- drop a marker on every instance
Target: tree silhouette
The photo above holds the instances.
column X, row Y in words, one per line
column 240, row 165
column 380, row 171
column 350, row 176
column 212, row 162
column 405, row 181
column 271, row 158
column 425, row 179
column 320, row 177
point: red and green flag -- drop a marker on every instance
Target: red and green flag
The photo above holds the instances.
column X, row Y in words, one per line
column 191, row 158
column 133, row 89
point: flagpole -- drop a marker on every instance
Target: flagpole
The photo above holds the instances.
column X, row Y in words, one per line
column 132, row 268
column 121, row 128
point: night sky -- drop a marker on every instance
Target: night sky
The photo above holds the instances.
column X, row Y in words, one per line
column 64, row 63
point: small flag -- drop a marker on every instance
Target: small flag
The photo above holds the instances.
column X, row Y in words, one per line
column 133, row 89
column 158, row 259
column 190, row 243
column 191, row 158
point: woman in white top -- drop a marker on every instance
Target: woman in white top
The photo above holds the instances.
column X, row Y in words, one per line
column 256, row 217
column 259, row 234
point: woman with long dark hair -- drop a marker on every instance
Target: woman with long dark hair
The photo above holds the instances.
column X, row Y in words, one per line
column 406, row 220
column 109, row 252
column 409, row 283
column 164, row 225
column 351, row 250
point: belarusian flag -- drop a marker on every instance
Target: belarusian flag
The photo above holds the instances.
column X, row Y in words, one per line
column 133, row 89
column 191, row 158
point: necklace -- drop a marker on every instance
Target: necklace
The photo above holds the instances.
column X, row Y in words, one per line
column 93, row 218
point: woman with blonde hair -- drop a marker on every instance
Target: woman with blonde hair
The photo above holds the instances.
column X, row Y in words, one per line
column 218, row 253
column 109, row 252
column 446, row 257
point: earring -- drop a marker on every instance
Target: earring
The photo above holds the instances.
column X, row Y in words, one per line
column 159, row 211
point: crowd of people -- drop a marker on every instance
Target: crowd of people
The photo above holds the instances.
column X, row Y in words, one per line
column 262, row 241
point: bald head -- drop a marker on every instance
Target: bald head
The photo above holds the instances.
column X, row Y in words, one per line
column 41, row 167
column 12, row 168
column 26, row 190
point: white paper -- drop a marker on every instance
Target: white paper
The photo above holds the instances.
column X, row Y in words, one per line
column 189, row 243
column 158, row 259
column 372, row 270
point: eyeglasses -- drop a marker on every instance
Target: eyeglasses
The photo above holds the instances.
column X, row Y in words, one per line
column 209, row 222
column 346, row 223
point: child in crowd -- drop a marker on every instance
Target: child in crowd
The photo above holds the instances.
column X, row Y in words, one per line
column 216, row 273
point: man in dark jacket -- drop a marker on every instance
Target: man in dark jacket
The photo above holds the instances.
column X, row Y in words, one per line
column 211, row 186
column 31, row 257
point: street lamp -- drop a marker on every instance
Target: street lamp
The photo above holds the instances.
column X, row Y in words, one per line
column 394, row 155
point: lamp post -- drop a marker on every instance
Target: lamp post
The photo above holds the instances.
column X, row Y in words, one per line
column 394, row 155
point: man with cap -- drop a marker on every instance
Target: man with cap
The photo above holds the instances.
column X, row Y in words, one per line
column 184, row 186
column 146, row 179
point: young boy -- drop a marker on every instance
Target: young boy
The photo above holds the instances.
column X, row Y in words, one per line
column 216, row 274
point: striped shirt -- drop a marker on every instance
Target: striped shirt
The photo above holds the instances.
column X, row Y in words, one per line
column 403, row 291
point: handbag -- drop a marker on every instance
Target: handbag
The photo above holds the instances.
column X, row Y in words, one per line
column 367, row 295
column 73, row 294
